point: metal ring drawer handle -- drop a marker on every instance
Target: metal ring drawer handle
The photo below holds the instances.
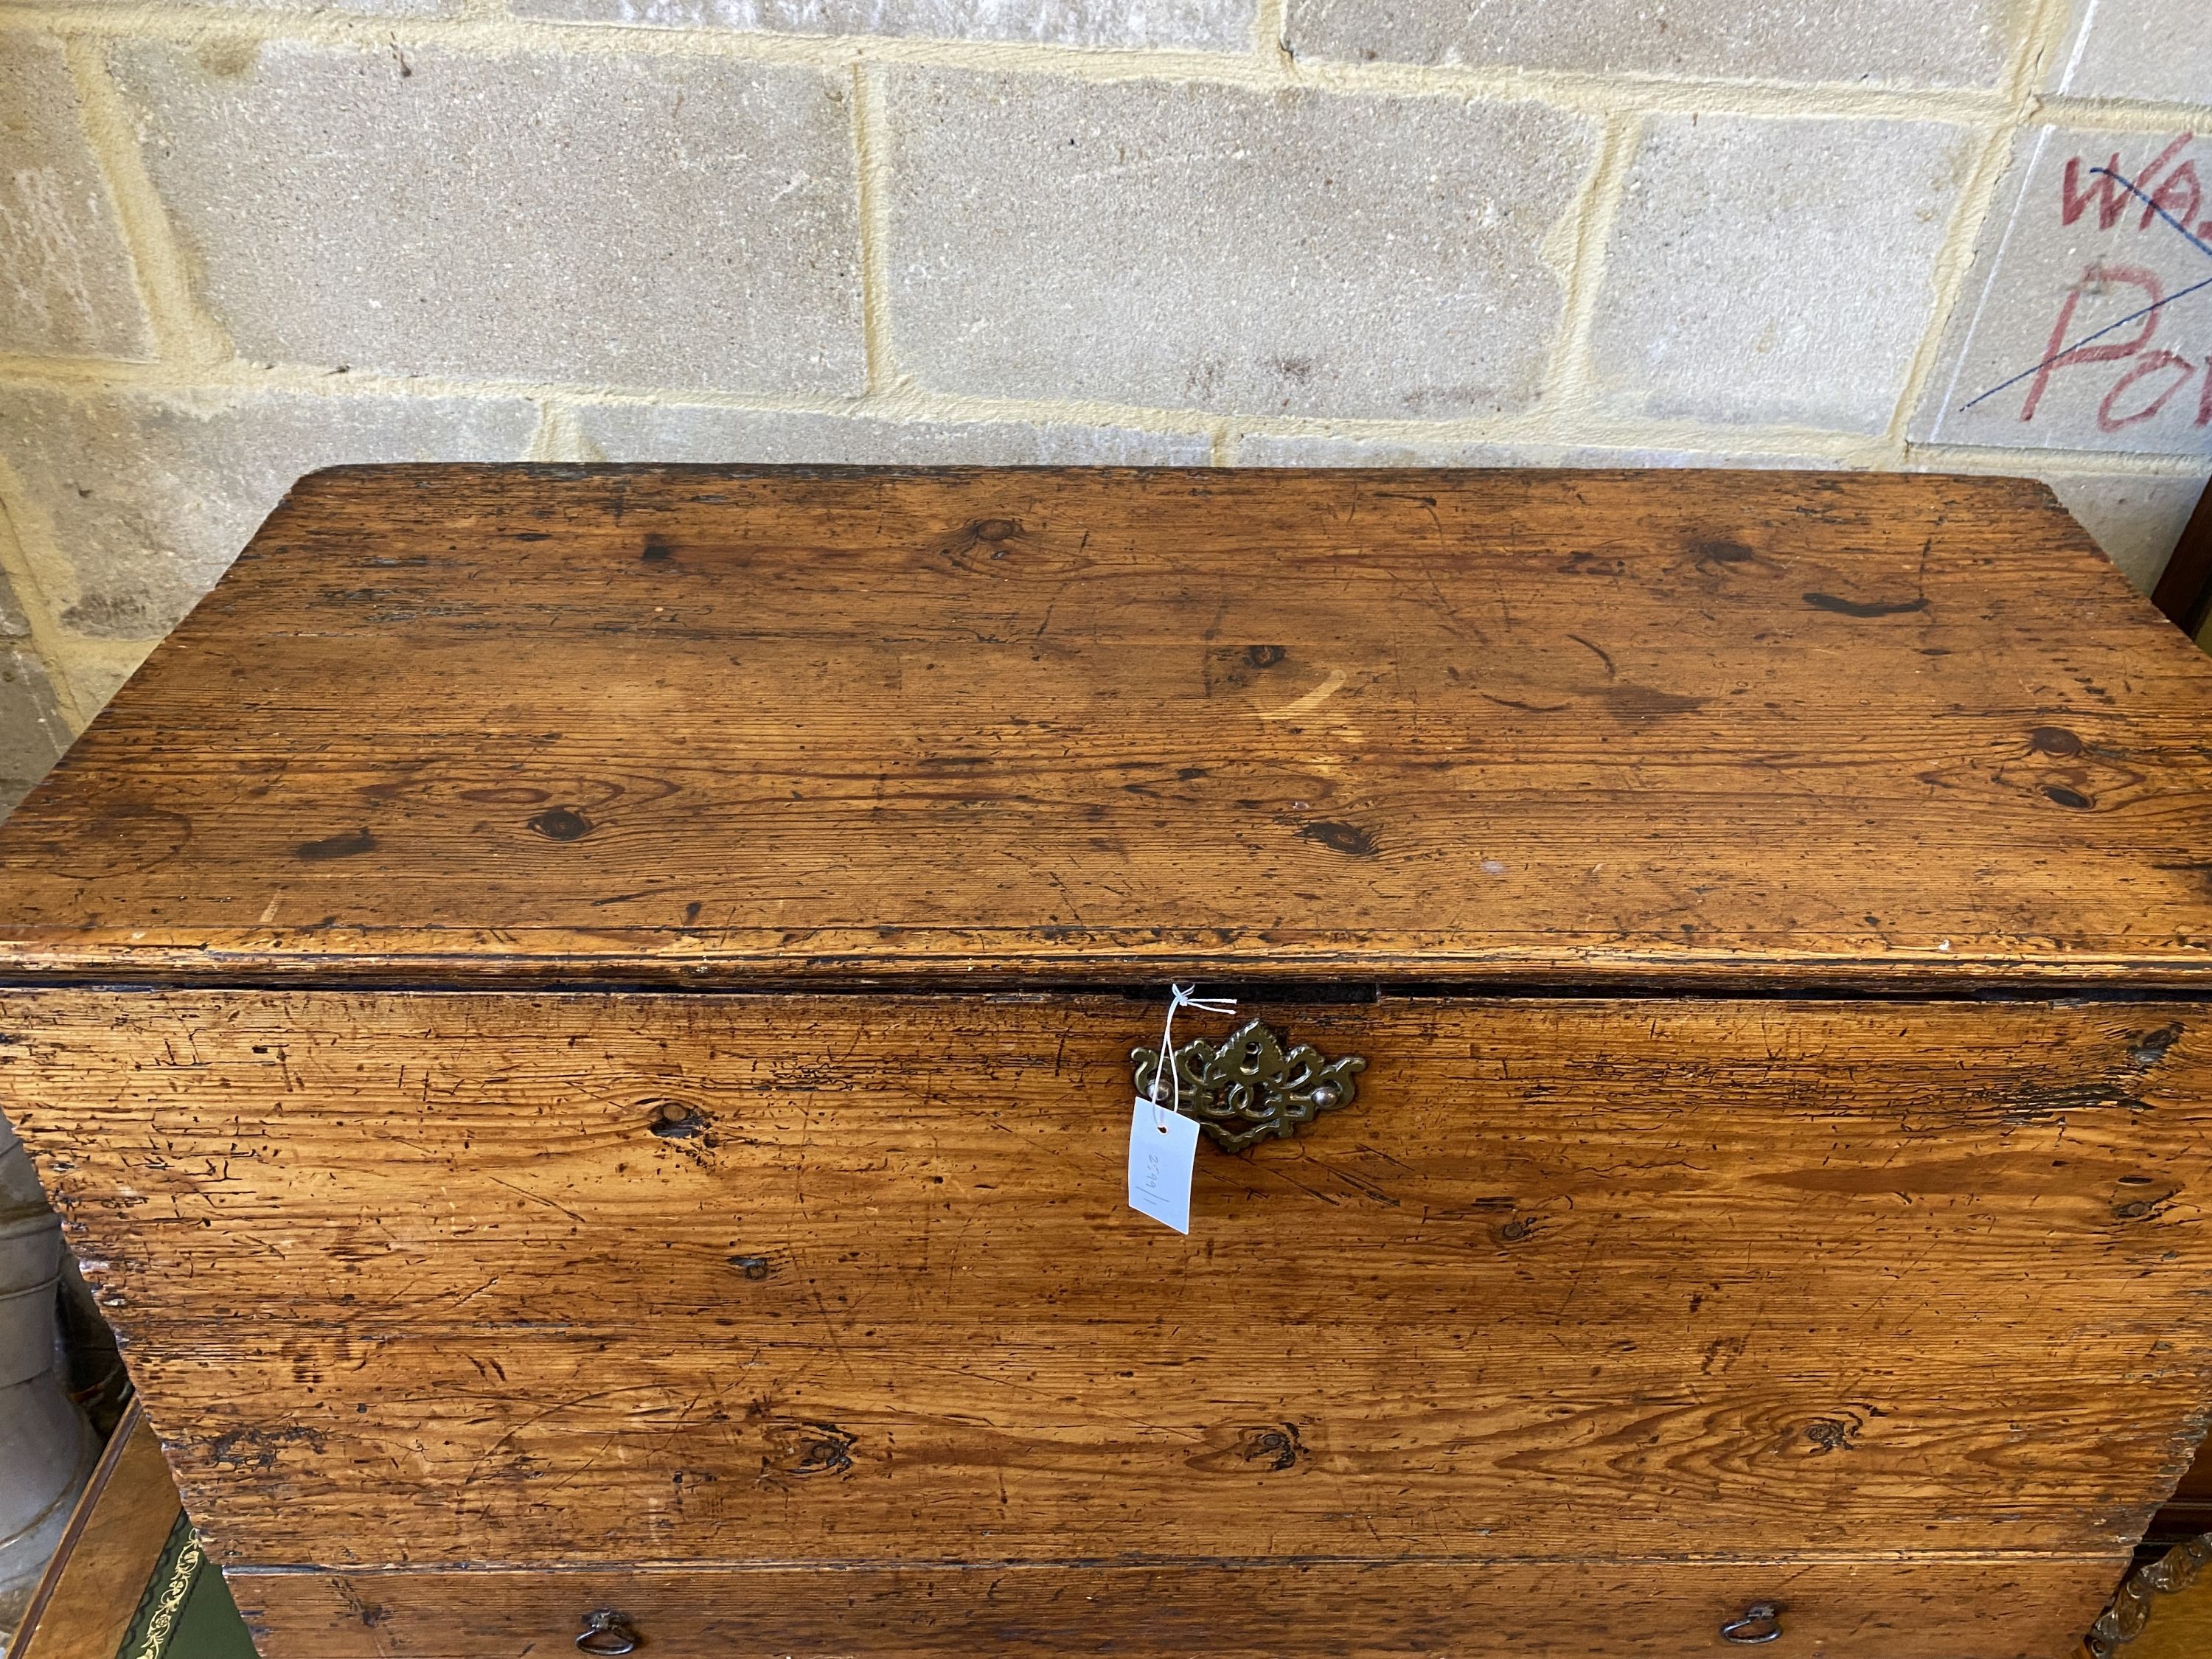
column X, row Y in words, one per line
column 1761, row 1622
column 606, row 1632
column 1250, row 1086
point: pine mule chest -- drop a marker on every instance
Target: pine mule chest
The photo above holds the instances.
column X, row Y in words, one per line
column 585, row 1023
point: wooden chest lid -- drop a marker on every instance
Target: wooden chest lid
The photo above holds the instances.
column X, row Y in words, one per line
column 742, row 726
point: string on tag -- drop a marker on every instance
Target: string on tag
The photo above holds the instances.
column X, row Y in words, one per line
column 1179, row 997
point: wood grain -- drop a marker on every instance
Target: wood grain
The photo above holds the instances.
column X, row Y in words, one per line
column 412, row 1278
column 732, row 725
column 1846, row 1609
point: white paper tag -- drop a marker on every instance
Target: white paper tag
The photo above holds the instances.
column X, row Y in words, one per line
column 1163, row 1146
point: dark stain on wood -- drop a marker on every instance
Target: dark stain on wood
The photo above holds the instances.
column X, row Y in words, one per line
column 1642, row 703
column 1832, row 1434
column 805, row 1451
column 2134, row 1204
column 260, row 1446
column 560, row 823
column 671, row 1120
column 1865, row 608
column 350, row 845
column 1276, row 1447
column 1721, row 551
column 1245, row 1449
column 2147, row 1049
column 1340, row 837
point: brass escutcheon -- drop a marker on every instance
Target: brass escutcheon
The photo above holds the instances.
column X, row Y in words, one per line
column 1250, row 1086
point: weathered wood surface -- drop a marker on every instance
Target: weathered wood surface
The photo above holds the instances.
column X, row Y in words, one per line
column 436, row 1280
column 1842, row 1609
column 741, row 725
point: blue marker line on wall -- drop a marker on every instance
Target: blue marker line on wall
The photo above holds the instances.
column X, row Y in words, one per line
column 2194, row 241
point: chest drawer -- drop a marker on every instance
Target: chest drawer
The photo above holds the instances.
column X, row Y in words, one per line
column 546, row 1281
column 1853, row 1609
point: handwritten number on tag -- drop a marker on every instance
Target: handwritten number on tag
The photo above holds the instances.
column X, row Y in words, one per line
column 1163, row 1146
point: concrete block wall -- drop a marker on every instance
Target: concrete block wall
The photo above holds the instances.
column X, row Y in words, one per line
column 238, row 241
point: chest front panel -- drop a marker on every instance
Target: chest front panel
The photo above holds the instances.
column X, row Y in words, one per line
column 533, row 1280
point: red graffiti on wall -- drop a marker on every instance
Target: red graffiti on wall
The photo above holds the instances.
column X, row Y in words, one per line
column 2179, row 193
column 2165, row 198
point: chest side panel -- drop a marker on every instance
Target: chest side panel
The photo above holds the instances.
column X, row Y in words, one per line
column 489, row 1279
